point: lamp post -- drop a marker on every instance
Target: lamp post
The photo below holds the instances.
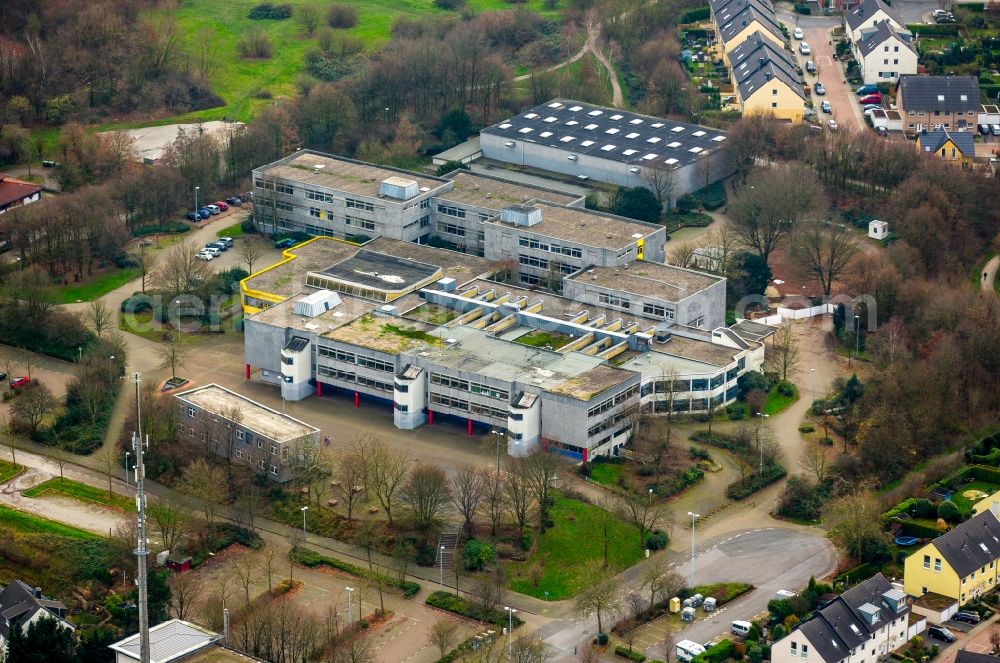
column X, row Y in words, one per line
column 510, row 630
column 111, row 365
column 760, row 442
column 694, row 516
column 196, row 200
column 441, row 564
column 650, row 501
column 303, row 510
column 857, row 335
column 812, row 373
column 350, row 593
column 498, row 433
column 126, row 469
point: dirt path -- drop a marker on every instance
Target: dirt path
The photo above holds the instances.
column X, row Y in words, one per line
column 989, row 274
column 91, row 517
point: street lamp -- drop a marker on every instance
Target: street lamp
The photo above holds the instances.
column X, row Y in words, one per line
column 857, row 334
column 760, row 442
column 196, row 200
column 650, row 496
column 303, row 510
column 111, row 364
column 498, row 433
column 812, row 372
column 510, row 630
column 350, row 593
column 441, row 564
column 126, row 469
column 694, row 516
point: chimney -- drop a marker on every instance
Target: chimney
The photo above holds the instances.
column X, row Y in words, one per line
column 761, row 60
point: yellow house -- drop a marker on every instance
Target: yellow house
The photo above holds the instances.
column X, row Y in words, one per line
column 960, row 564
column 991, row 503
column 957, row 147
column 765, row 79
column 734, row 28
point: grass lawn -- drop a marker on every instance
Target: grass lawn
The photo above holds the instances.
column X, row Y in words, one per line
column 964, row 503
column 433, row 314
column 235, row 230
column 98, row 286
column 25, row 522
column 82, row 492
column 9, row 470
column 566, row 551
column 777, row 403
column 541, row 338
column 606, row 474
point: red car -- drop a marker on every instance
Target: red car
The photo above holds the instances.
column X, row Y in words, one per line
column 221, row 205
column 19, row 382
column 870, row 99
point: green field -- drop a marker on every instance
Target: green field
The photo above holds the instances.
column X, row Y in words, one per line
column 223, row 22
column 98, row 286
column 777, row 403
column 25, row 522
column 606, row 474
column 235, row 230
column 9, row 470
column 80, row 491
column 964, row 503
column 541, row 338
column 566, row 551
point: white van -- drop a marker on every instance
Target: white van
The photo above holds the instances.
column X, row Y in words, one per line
column 687, row 650
column 740, row 628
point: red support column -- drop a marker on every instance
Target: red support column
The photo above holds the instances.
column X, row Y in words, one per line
column 430, row 417
column 319, row 389
column 585, row 455
column 248, row 371
column 468, row 427
column 357, row 399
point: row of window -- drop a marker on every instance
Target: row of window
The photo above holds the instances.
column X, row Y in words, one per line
column 450, row 210
column 613, row 420
column 354, row 203
column 318, row 213
column 658, row 311
column 466, row 406
column 613, row 300
column 804, row 650
column 364, row 224
column 533, row 243
column 360, row 360
column 261, row 464
column 336, row 353
column 532, row 261
column 450, row 229
column 617, row 399
column 320, row 196
column 360, row 380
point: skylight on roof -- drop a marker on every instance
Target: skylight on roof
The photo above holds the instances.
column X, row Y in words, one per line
column 649, row 157
column 576, row 109
column 677, row 130
column 635, row 121
column 634, row 134
column 590, row 127
column 608, row 147
column 572, row 123
column 657, row 125
column 696, row 149
column 671, row 161
column 506, row 125
column 654, row 140
column 612, row 130
column 556, row 104
column 525, row 130
column 567, row 139
column 855, row 629
column 617, row 117
column 719, row 139
column 550, row 119
column 629, row 153
column 531, row 116
column 698, row 133
column 983, row 546
column 674, row 144
column 963, row 97
column 545, row 134
column 587, row 143
column 940, row 97
column 595, row 113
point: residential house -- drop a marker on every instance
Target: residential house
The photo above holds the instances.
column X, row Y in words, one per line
column 742, row 18
column 990, row 503
column 862, row 625
column 14, row 193
column 766, row 80
column 867, row 15
column 957, row 147
column 22, row 605
column 960, row 564
column 885, row 53
column 938, row 102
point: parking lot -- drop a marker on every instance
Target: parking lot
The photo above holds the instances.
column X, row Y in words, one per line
column 842, row 99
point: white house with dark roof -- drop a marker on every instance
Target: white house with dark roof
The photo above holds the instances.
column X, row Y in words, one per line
column 867, row 15
column 884, row 53
column 22, row 605
column 862, row 625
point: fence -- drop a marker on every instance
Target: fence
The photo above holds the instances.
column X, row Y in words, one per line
column 796, row 314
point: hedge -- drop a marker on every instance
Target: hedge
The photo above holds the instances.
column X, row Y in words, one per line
column 720, row 652
column 917, row 507
column 625, row 652
column 743, row 488
column 459, row 606
column 934, row 30
column 858, row 574
column 313, row 559
column 695, row 15
column 716, row 440
column 712, row 197
column 919, row 530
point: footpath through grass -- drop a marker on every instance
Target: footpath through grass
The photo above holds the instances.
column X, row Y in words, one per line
column 9, row 470
column 29, row 524
column 98, row 286
column 566, row 551
column 81, row 491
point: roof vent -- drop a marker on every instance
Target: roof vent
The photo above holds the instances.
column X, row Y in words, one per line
column 316, row 303
column 521, row 215
column 398, row 188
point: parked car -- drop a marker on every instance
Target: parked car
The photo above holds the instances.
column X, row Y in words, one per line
column 832, row 124
column 870, row 99
column 819, row 89
column 941, row 633
column 228, row 241
column 48, row 164
column 205, row 212
column 284, row 243
column 221, row 205
column 213, row 209
column 945, row 19
column 16, row 383
column 810, row 66
column 204, row 255
column 882, row 131
column 869, row 107
column 193, row 216
column 967, row 617
column 867, row 89
column 995, row 129
column 984, row 130
column 940, row 12
column 797, row 33
column 234, row 200
column 3, row 376
column 804, row 49
column 826, row 107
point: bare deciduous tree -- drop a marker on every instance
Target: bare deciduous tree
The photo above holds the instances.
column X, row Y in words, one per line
column 540, row 470
column 388, row 469
column 599, row 598
column 172, row 353
column 823, row 250
column 785, row 352
column 660, row 581
column 518, row 493
column 171, row 521
column 642, row 513
column 107, row 456
column 494, row 498
column 251, row 251
column 425, row 494
column 662, row 183
column 442, row 634
column 350, row 474
column 99, row 317
column 206, row 483
column 467, row 487
column 34, row 404
column 816, row 460
column 185, row 590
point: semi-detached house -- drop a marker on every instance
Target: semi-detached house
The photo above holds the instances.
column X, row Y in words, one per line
column 960, row 564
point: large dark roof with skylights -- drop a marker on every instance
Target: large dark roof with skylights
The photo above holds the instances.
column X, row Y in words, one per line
column 612, row 134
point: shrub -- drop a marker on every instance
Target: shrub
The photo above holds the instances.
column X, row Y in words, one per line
column 477, row 554
column 625, row 652
column 803, row 9
column 802, row 499
column 807, row 428
column 657, row 540
column 743, row 488
column 450, row 4
column 450, row 166
column 267, row 11
column 948, row 512
column 255, row 44
column 711, row 197
column 313, row 559
column 460, row 606
column 687, row 203
column 737, row 411
column 718, row 653
column 918, row 529
column 695, row 15
column 342, row 16
column 786, row 389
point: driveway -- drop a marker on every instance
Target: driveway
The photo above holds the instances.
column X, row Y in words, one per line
column 846, row 112
column 53, row 373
